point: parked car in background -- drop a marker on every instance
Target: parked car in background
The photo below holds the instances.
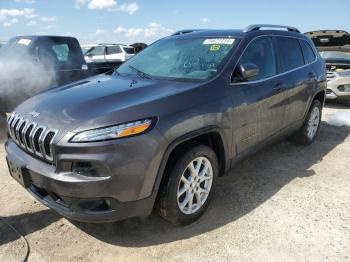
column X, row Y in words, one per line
column 334, row 48
column 31, row 64
column 109, row 53
column 86, row 48
column 2, row 44
column 139, row 47
column 167, row 124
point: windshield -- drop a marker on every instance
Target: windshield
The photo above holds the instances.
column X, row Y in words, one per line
column 18, row 45
column 194, row 59
column 335, row 55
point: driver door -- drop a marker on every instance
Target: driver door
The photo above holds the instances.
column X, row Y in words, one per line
column 259, row 104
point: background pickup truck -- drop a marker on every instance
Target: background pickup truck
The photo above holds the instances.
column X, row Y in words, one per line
column 31, row 64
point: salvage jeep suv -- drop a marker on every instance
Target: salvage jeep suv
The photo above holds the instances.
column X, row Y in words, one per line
column 163, row 128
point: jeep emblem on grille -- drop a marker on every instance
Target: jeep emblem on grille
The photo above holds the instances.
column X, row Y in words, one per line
column 34, row 114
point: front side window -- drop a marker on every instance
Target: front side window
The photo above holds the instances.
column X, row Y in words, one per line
column 185, row 58
column 260, row 52
column 291, row 56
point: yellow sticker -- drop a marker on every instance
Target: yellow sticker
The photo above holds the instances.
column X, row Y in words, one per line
column 215, row 48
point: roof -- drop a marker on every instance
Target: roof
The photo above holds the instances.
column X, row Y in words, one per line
column 252, row 29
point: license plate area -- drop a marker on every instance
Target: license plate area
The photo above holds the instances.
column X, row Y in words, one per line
column 19, row 173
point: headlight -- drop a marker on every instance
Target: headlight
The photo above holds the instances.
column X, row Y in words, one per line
column 344, row 73
column 113, row 132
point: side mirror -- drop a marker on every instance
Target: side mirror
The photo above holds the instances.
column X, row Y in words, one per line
column 248, row 71
column 89, row 55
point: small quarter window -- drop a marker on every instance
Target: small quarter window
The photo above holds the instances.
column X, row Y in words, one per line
column 309, row 54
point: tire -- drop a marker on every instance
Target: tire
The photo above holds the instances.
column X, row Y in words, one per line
column 2, row 119
column 305, row 136
column 177, row 209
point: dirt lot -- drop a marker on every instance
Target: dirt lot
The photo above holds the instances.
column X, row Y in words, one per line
column 287, row 203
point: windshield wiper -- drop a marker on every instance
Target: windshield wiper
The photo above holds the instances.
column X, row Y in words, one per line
column 140, row 73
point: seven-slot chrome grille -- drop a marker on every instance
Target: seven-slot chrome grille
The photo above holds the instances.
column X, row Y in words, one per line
column 32, row 137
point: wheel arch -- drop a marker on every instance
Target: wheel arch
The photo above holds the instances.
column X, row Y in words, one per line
column 212, row 136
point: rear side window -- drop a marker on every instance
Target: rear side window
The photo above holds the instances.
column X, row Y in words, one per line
column 113, row 50
column 129, row 50
column 98, row 50
column 291, row 56
column 309, row 54
column 61, row 51
column 260, row 52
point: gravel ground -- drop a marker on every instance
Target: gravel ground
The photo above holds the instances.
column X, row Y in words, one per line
column 286, row 202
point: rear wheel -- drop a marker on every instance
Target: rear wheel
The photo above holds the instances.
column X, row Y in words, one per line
column 308, row 132
column 189, row 186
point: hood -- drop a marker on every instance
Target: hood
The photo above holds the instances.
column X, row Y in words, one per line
column 101, row 101
column 330, row 40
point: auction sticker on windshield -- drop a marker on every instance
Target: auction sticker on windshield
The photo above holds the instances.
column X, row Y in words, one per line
column 218, row 41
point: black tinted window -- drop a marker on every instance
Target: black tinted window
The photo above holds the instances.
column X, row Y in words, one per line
column 290, row 53
column 129, row 50
column 260, row 52
column 113, row 50
column 309, row 54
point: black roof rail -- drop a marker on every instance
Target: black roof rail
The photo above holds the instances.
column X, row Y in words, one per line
column 186, row 31
column 259, row 26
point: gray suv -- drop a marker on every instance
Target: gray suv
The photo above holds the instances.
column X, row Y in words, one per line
column 160, row 131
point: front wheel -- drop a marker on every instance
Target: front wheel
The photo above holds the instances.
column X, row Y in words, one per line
column 189, row 186
column 308, row 132
column 2, row 119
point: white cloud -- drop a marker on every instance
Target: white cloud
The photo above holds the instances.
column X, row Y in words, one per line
column 153, row 31
column 32, row 23
column 129, row 8
column 8, row 17
column 134, row 32
column 25, row 1
column 120, row 30
column 10, row 22
column 101, row 4
column 26, row 12
column 48, row 19
column 110, row 5
column 205, row 20
column 99, row 31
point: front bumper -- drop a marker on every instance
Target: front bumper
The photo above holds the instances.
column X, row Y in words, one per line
column 124, row 191
column 338, row 89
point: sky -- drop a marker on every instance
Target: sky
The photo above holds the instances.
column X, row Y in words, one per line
column 130, row 21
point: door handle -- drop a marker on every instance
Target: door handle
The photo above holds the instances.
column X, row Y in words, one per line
column 278, row 87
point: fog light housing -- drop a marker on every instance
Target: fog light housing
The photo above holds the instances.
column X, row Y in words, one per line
column 89, row 169
column 344, row 88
